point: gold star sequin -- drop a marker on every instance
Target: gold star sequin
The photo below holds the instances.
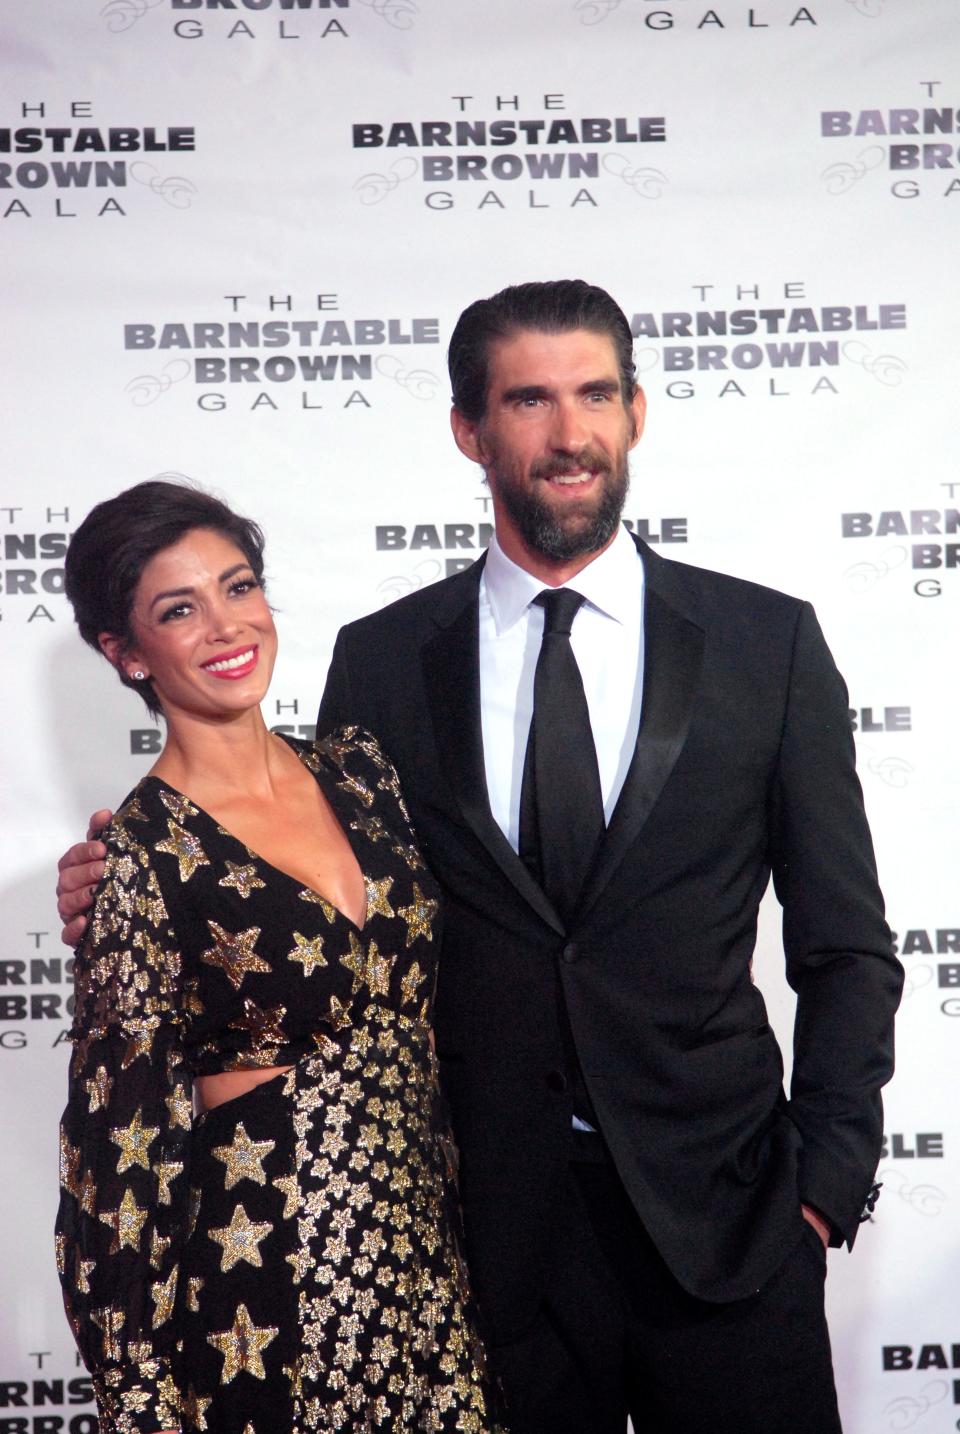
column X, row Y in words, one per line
column 179, row 1107
column 377, row 973
column 356, row 788
column 244, row 878
column 69, row 1165
column 338, row 1015
column 154, row 954
column 193, row 1208
column 339, row 744
column 371, row 827
column 191, row 1000
column 81, row 1045
column 402, row 1247
column 264, row 1026
column 195, row 1408
column 139, row 1044
column 242, row 1346
column 165, row 1171
column 177, row 804
column 185, row 847
column 234, row 953
column 419, row 916
column 310, row 759
column 126, row 1222
column 124, row 868
column 110, row 1321
column 377, row 893
column 368, row 967
column 163, row 1294
column 387, row 1041
column 83, row 1269
column 243, row 1158
column 290, row 1190
column 355, row 962
column 370, row 1137
column 134, row 1141
column 133, row 811
column 98, row 1088
column 315, row 899
column 302, row 1261
column 309, row 952
column 88, row 1194
column 384, row 1350
column 409, row 854
column 159, row 1245
column 409, row 983
column 241, row 1240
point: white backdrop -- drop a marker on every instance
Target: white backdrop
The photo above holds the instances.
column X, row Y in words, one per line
column 771, row 193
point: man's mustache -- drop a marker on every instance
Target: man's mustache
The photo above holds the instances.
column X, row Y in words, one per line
column 587, row 460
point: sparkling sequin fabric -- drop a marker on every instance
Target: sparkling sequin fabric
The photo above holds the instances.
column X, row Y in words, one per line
column 290, row 1260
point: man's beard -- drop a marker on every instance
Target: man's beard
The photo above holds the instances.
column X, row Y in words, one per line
column 561, row 536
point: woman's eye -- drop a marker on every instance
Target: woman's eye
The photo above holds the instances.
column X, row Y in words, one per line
column 244, row 585
column 181, row 609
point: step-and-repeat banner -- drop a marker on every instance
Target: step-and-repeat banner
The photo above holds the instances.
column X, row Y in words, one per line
column 235, row 236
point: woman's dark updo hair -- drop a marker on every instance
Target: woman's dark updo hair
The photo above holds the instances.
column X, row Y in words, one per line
column 115, row 542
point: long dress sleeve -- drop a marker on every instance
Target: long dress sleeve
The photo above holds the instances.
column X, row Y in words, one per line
column 124, row 1140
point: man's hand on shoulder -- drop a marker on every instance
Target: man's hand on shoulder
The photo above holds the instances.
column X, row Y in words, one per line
column 80, row 869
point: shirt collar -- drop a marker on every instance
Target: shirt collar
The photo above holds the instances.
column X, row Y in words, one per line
column 612, row 582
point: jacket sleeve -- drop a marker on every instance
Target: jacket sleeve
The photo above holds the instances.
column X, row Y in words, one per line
column 335, row 704
column 838, row 948
column 124, row 1148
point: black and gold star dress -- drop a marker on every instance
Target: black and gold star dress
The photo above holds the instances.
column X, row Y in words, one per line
column 290, row 1260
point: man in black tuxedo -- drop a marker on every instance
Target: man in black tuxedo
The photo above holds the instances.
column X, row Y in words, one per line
column 604, row 784
column 646, row 1212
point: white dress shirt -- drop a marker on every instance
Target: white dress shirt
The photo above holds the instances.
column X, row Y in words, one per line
column 607, row 642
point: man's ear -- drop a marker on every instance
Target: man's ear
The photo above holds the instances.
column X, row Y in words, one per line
column 638, row 408
column 466, row 435
column 119, row 656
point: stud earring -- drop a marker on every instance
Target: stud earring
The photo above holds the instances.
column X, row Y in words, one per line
column 138, row 676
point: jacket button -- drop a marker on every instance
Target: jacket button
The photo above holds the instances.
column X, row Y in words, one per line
column 569, row 952
column 557, row 1081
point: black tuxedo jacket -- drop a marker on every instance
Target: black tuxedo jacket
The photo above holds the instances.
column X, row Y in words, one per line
column 744, row 766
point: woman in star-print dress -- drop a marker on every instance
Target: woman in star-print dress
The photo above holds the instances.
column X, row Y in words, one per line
column 288, row 1260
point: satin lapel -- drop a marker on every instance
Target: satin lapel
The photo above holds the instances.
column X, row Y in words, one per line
column 451, row 670
column 673, row 655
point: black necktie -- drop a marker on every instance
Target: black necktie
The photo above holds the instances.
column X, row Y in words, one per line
column 561, row 807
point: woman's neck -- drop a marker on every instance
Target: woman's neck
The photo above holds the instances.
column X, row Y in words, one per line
column 239, row 756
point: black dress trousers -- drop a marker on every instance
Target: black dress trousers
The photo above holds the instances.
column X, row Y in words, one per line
column 617, row 1334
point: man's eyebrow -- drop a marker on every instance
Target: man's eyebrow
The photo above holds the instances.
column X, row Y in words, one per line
column 523, row 391
column 600, row 385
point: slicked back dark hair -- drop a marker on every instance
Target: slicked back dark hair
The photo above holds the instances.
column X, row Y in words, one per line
column 115, row 542
column 555, row 307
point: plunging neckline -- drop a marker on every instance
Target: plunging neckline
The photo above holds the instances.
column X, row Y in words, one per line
column 269, row 865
